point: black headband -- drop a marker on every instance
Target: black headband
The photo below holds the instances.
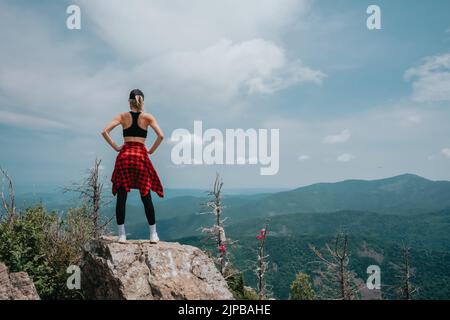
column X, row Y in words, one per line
column 136, row 92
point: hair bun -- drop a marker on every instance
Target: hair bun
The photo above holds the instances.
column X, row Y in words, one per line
column 136, row 92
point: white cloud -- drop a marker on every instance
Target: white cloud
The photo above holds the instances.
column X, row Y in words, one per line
column 28, row 121
column 196, row 55
column 346, row 157
column 431, row 80
column 223, row 70
column 414, row 119
column 204, row 51
column 304, row 157
column 49, row 78
column 404, row 117
column 342, row 137
column 140, row 28
column 290, row 74
column 446, row 152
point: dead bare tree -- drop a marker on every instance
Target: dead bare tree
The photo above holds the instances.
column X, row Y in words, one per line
column 262, row 265
column 405, row 289
column 8, row 202
column 216, row 233
column 337, row 280
column 90, row 190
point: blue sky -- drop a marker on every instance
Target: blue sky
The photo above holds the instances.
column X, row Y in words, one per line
column 349, row 102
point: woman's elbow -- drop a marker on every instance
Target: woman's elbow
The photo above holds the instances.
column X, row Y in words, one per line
column 161, row 136
column 104, row 132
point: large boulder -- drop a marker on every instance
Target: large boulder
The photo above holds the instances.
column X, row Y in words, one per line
column 16, row 286
column 138, row 269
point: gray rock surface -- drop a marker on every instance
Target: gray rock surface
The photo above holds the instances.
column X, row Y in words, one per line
column 16, row 286
column 138, row 269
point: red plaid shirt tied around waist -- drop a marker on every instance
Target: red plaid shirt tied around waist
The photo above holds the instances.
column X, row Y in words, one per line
column 134, row 170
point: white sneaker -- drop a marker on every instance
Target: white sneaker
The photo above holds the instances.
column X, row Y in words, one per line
column 122, row 233
column 154, row 238
column 153, row 235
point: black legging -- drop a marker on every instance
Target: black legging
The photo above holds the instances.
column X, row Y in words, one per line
column 121, row 204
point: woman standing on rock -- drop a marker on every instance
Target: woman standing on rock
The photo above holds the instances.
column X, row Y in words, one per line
column 133, row 168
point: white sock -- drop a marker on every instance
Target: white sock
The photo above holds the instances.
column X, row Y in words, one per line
column 121, row 228
column 153, row 228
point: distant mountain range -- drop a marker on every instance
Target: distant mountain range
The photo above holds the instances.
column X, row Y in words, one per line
column 401, row 196
column 404, row 194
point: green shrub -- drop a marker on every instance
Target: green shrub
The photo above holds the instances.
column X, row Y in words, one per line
column 237, row 287
column 44, row 245
column 301, row 288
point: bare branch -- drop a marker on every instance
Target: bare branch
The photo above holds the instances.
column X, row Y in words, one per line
column 216, row 233
column 405, row 289
column 90, row 190
column 337, row 280
column 9, row 206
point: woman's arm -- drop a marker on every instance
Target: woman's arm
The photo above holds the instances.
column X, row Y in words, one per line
column 160, row 135
column 105, row 133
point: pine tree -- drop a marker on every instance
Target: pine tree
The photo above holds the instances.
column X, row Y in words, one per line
column 302, row 288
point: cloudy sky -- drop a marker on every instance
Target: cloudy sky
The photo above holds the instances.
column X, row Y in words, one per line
column 349, row 102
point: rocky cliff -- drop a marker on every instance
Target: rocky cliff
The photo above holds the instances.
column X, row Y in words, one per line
column 140, row 270
column 16, row 286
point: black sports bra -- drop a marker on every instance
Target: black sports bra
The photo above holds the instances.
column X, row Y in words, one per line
column 134, row 130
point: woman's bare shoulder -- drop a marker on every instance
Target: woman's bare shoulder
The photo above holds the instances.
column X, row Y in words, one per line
column 120, row 116
column 149, row 117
